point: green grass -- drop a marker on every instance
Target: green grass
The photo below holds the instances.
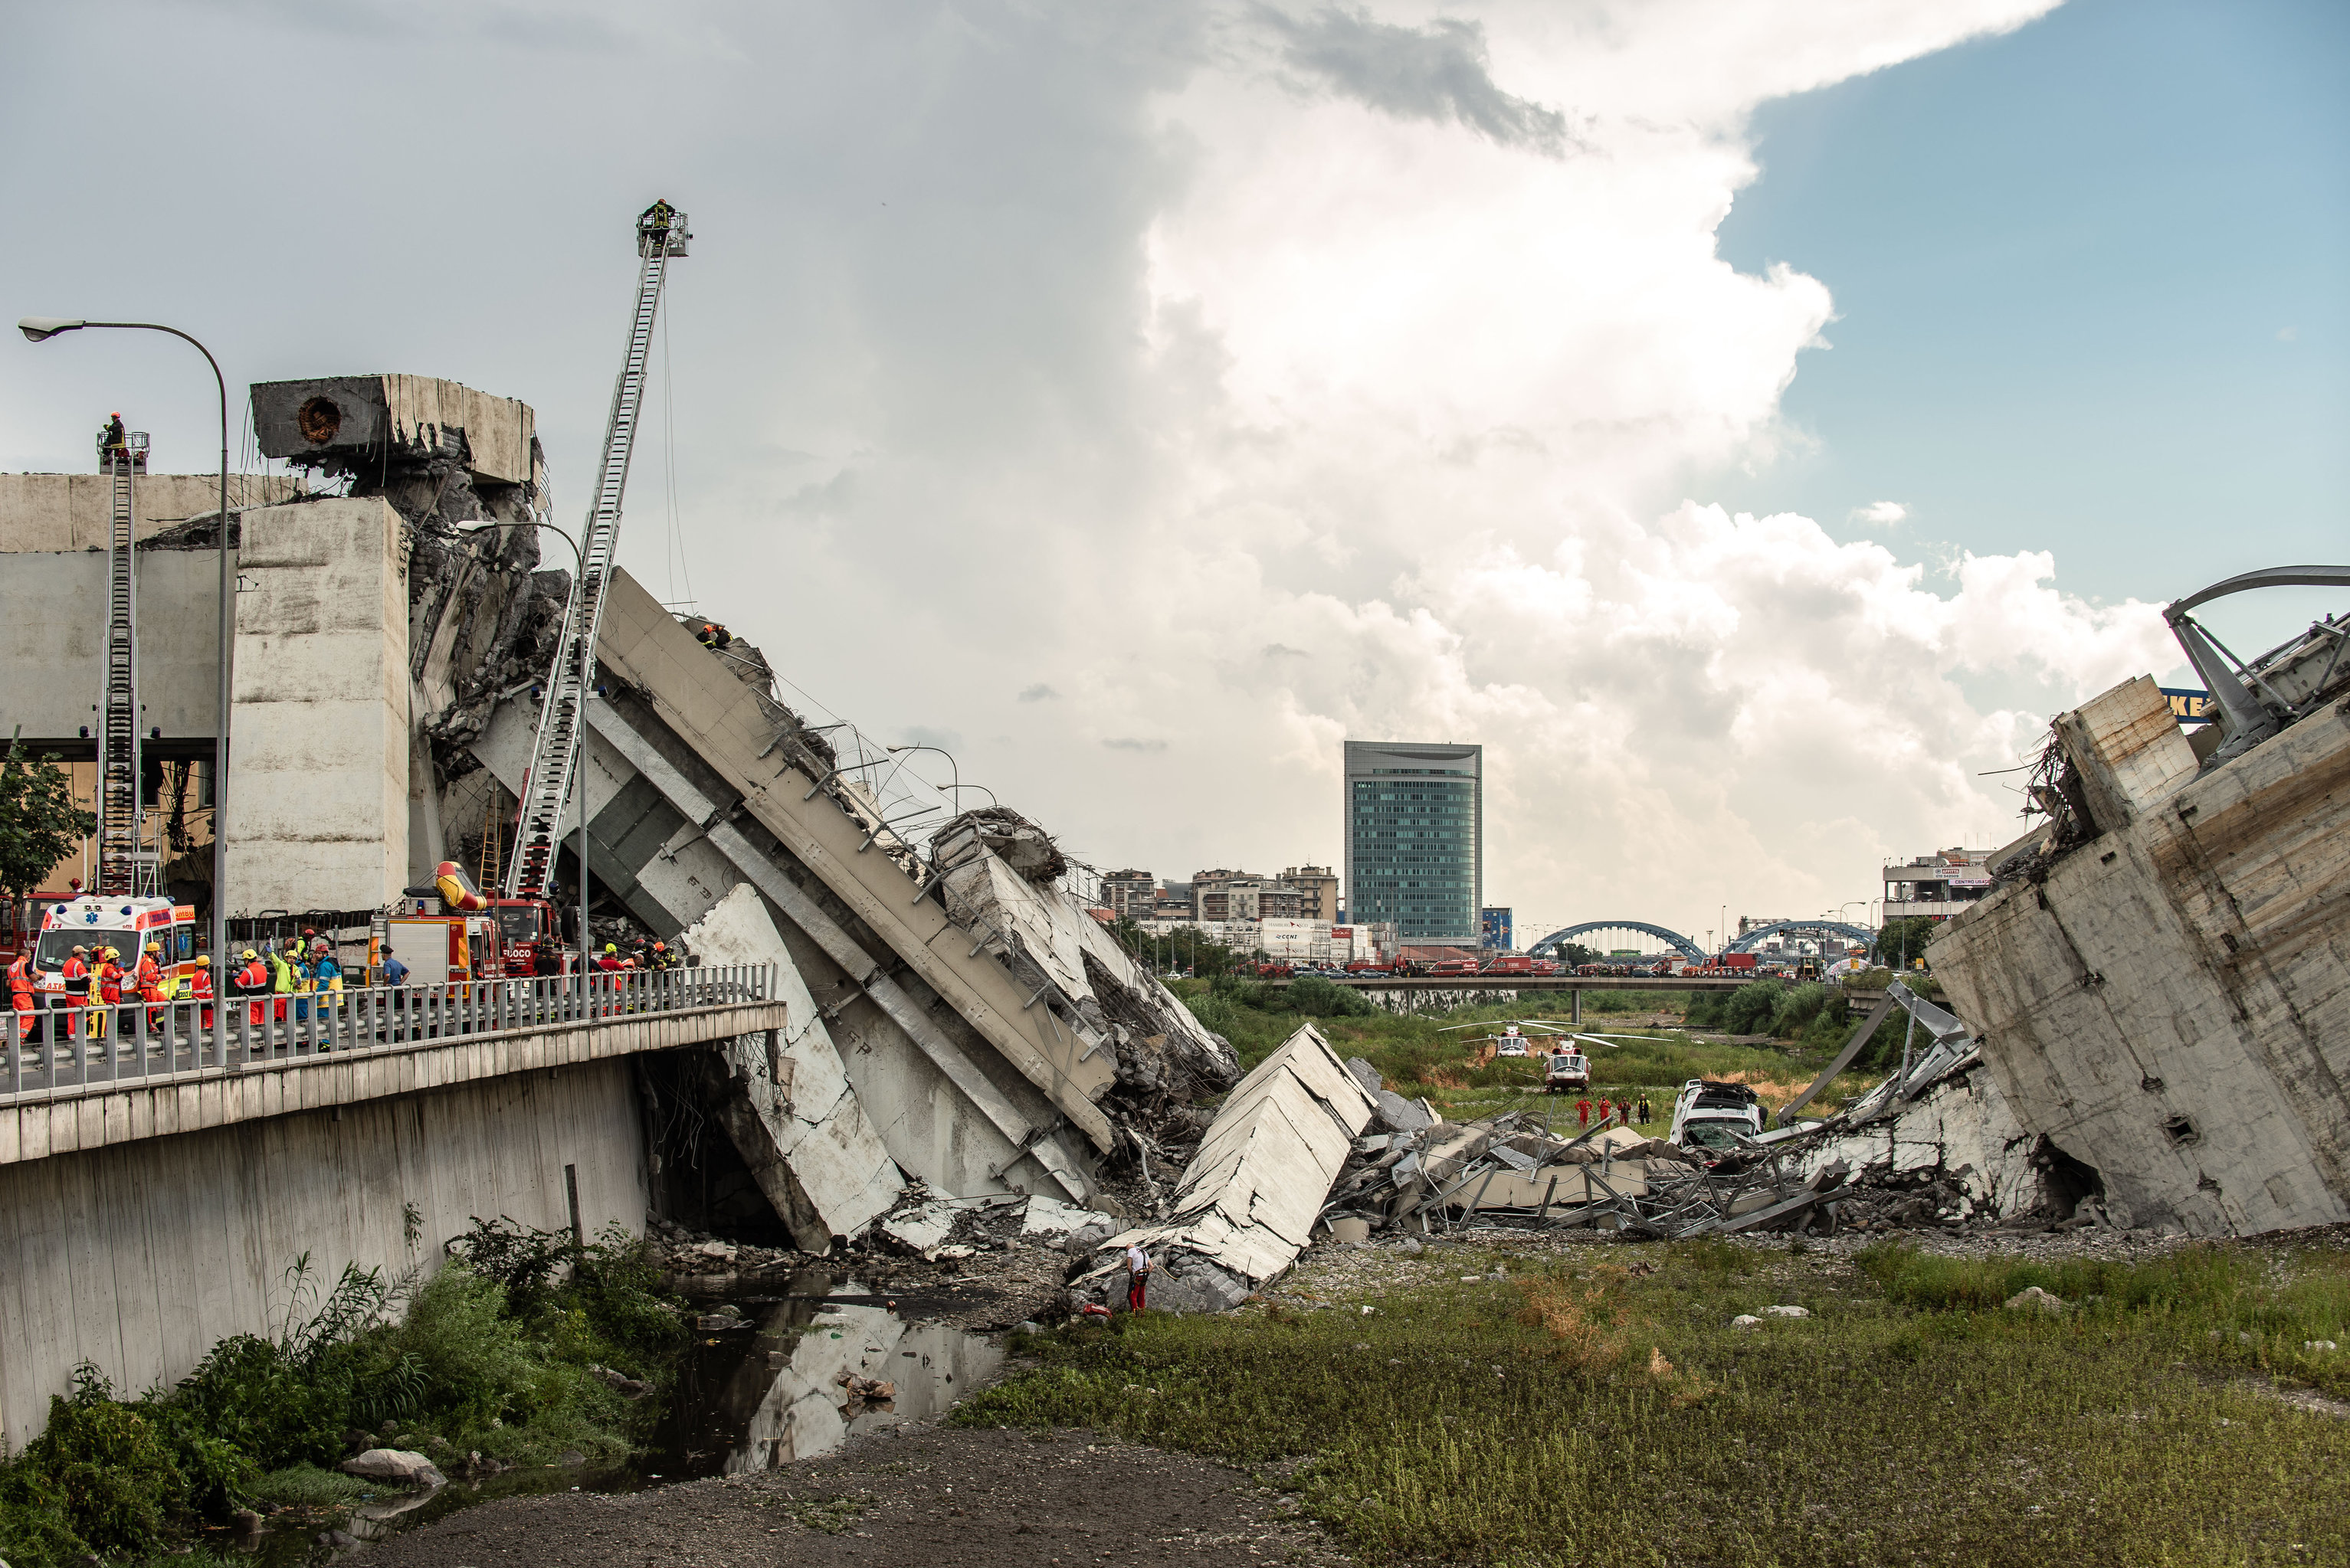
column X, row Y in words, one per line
column 307, row 1485
column 1577, row 1414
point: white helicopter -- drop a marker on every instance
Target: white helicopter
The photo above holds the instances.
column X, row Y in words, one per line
column 1513, row 1041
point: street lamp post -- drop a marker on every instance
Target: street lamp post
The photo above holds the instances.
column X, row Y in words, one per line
column 578, row 733
column 40, row 330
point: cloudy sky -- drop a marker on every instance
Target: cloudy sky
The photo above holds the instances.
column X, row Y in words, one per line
column 1749, row 421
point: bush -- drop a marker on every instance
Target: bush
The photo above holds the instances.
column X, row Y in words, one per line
column 1318, row 998
column 263, row 1417
column 1752, row 1009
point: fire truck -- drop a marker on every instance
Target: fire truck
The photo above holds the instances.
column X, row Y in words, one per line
column 442, row 932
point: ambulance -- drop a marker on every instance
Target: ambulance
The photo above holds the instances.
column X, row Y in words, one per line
column 93, row 922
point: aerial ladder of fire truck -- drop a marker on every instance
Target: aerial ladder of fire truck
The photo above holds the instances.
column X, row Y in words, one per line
column 538, row 830
column 118, row 728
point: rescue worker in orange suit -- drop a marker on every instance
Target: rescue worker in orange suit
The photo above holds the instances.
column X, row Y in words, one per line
column 148, row 980
column 253, row 982
column 76, row 975
column 201, row 986
column 21, row 996
column 110, row 977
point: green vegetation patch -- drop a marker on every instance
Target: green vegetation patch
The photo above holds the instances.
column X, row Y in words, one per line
column 1574, row 1410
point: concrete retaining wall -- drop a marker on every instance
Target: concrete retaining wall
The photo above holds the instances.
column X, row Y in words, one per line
column 139, row 1258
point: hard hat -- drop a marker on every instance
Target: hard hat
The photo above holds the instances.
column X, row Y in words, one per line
column 203, row 961
column 251, row 954
column 154, row 947
column 660, row 947
column 611, row 948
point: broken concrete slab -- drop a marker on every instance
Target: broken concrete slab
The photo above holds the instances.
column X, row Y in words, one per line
column 789, row 1109
column 1365, row 1075
column 1047, row 1217
column 1250, row 1198
column 1398, row 1114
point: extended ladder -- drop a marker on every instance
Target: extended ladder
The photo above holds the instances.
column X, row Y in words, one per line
column 117, row 729
column 660, row 235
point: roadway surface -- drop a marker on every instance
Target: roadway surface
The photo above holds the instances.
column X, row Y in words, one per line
column 1532, row 982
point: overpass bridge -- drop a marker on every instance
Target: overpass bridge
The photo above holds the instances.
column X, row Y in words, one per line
column 155, row 1183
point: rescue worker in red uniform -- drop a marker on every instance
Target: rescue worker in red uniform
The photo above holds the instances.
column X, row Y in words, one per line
column 22, row 998
column 148, row 977
column 110, row 977
column 252, row 980
column 201, row 987
column 76, row 975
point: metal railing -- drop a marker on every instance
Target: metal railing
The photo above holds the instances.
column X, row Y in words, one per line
column 67, row 1051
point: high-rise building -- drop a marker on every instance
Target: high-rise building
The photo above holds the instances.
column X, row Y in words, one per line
column 1415, row 837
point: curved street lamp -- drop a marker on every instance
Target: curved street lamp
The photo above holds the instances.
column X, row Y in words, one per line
column 40, row 330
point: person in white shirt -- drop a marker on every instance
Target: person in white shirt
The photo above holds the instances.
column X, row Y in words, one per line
column 1137, row 1271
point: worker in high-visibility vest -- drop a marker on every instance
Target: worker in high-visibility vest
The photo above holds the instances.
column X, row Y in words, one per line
column 148, row 977
column 76, row 975
column 110, row 977
column 281, row 980
column 21, row 990
column 201, row 987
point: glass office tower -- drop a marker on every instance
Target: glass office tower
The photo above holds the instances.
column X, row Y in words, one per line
column 1416, row 838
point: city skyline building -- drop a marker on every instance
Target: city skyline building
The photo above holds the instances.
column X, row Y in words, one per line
column 1415, row 838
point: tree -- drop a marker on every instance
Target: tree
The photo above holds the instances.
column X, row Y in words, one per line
column 1904, row 938
column 40, row 823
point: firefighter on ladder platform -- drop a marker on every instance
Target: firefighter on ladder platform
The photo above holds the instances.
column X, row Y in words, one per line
column 112, row 437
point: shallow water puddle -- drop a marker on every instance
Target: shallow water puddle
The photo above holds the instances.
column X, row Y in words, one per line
column 746, row 1398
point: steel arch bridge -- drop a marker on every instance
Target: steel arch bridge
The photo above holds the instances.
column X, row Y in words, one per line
column 1804, row 928
column 1674, row 940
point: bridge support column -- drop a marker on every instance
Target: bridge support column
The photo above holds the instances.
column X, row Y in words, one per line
column 1574, row 1007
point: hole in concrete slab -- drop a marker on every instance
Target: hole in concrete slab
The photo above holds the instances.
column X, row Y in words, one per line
column 2068, row 1182
column 2182, row 1130
column 318, row 419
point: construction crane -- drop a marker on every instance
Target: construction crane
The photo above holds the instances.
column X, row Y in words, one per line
column 117, row 729
column 660, row 235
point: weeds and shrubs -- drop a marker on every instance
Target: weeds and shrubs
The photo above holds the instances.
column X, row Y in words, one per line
column 1318, row 998
column 1588, row 1414
column 466, row 1365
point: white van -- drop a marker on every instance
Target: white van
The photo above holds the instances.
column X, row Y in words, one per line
column 1711, row 1116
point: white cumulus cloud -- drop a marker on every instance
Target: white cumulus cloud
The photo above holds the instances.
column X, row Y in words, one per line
column 1881, row 514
